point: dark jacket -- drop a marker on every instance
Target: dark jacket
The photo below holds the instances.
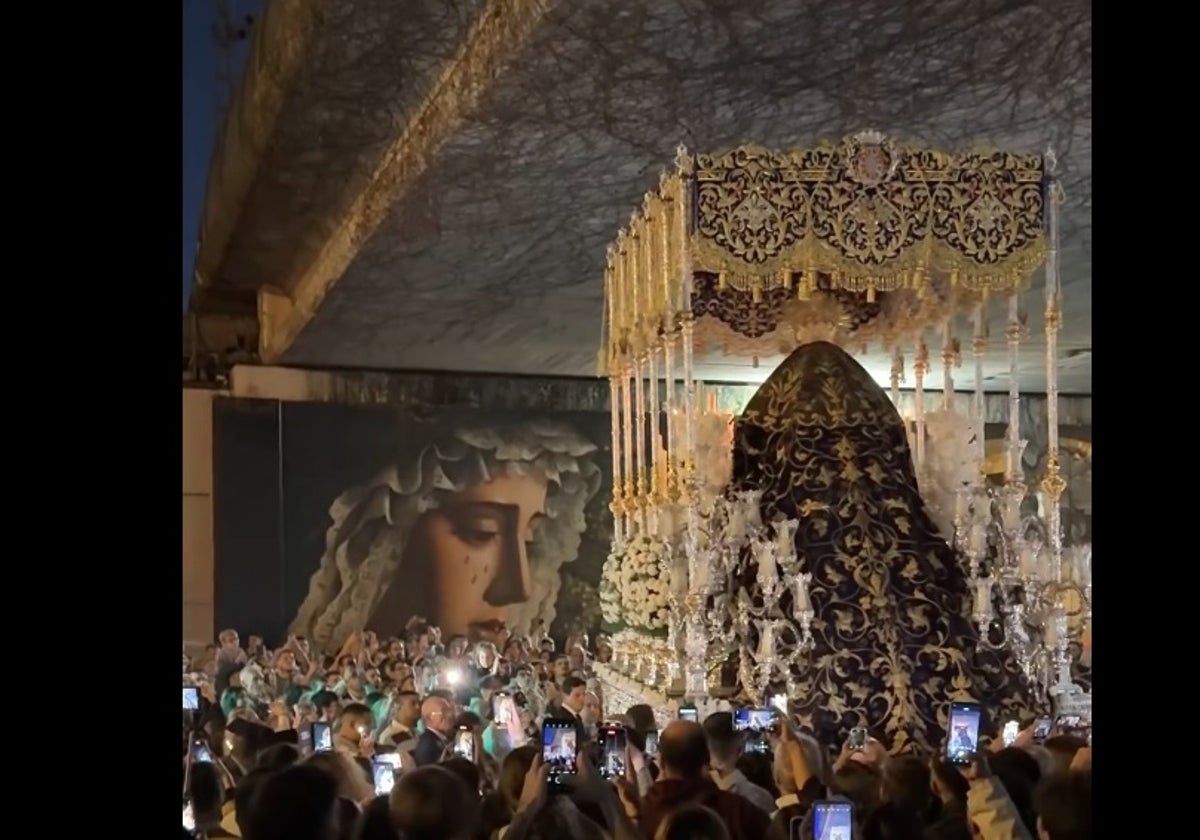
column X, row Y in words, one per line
column 430, row 748
column 744, row 820
column 951, row 823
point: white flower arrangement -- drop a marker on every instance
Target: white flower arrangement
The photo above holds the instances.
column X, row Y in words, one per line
column 644, row 585
column 610, row 592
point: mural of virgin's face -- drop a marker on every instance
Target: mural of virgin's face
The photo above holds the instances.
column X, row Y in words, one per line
column 477, row 543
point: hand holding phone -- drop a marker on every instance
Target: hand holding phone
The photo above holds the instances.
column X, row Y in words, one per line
column 833, row 820
column 962, row 737
column 1011, row 730
column 322, row 737
column 560, row 748
column 612, row 752
column 384, row 773
column 651, row 743
column 857, row 740
column 464, row 743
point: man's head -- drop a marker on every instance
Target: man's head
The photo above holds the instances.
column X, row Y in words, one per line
column 432, row 803
column 327, row 704
column 1063, row 802
column 561, row 668
column 574, row 690
column 229, row 640
column 724, row 742
column 297, row 803
column 354, row 687
column 407, row 710
column 683, row 750
column 591, row 709
column 354, row 723
column 437, row 714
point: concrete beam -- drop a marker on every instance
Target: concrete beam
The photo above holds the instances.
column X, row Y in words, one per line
column 497, row 36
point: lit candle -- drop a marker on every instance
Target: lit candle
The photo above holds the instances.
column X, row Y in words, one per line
column 767, row 572
column 983, row 597
column 1045, row 566
column 803, row 604
column 736, row 528
column 1012, row 513
column 1029, row 561
column 978, row 538
column 785, row 537
column 766, row 642
column 753, row 514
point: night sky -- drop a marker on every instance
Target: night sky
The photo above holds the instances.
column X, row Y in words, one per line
column 200, row 103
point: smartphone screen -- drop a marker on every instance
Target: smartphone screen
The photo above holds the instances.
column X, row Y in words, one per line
column 304, row 741
column 858, row 738
column 560, row 747
column 1011, row 730
column 201, row 754
column 758, row 720
column 612, row 752
column 1041, row 729
column 1072, row 725
column 651, row 743
column 502, row 708
column 832, row 820
column 191, row 698
column 963, row 732
column 757, row 744
column 464, row 743
column 384, row 773
column 189, row 819
column 322, row 737
column 688, row 713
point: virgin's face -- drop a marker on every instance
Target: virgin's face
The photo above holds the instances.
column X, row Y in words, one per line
column 478, row 540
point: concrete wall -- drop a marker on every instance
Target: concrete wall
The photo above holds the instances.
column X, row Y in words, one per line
column 197, row 516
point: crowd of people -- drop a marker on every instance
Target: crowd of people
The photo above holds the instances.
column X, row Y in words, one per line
column 508, row 738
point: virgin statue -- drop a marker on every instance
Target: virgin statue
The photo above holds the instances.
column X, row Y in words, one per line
column 894, row 643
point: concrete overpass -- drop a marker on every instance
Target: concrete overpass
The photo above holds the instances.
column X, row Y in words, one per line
column 431, row 184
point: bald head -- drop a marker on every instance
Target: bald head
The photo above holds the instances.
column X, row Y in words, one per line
column 683, row 750
column 437, row 715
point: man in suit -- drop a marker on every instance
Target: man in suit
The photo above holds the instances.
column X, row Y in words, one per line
column 574, row 697
column 438, row 717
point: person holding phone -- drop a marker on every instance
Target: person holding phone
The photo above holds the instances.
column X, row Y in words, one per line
column 989, row 807
column 353, row 731
column 799, row 768
column 725, row 748
column 684, row 757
